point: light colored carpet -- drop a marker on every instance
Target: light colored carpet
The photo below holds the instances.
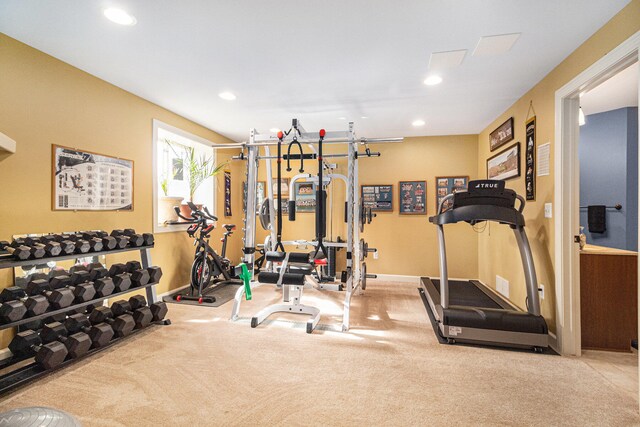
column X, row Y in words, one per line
column 388, row 370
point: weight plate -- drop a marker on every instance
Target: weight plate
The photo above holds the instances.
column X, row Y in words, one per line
column 265, row 219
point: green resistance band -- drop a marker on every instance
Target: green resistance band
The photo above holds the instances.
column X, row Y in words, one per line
column 246, row 279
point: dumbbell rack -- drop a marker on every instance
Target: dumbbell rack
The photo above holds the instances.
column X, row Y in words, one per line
column 32, row 371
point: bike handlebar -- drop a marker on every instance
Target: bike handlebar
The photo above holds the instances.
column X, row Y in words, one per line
column 191, row 220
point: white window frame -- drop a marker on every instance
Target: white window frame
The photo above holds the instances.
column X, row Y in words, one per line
column 157, row 124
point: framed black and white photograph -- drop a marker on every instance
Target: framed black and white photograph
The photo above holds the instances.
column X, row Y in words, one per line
column 502, row 134
column 87, row 181
column 506, row 164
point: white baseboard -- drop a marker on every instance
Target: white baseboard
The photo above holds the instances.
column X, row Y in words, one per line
column 398, row 278
column 169, row 292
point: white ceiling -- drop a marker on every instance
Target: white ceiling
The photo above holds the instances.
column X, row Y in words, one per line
column 619, row 91
column 315, row 60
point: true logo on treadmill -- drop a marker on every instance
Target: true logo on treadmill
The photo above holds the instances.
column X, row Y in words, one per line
column 487, row 185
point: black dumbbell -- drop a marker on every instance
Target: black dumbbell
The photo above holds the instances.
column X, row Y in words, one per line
column 58, row 298
column 122, row 325
column 96, row 273
column 155, row 273
column 108, row 242
column 135, row 239
column 27, row 343
column 104, row 286
column 66, row 246
column 149, row 240
column 21, row 252
column 51, row 249
column 158, row 309
column 139, row 276
column 77, row 344
column 142, row 316
column 37, row 252
column 95, row 244
column 16, row 304
column 99, row 334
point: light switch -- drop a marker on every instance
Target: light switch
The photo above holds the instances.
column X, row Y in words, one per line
column 548, row 210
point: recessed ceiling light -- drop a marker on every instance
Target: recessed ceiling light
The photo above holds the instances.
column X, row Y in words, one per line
column 433, row 80
column 364, row 117
column 119, row 16
column 227, row 96
column 274, row 130
column 418, row 122
column 342, row 118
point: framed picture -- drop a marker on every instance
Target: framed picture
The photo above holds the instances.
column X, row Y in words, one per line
column 305, row 197
column 227, row 193
column 530, row 159
column 413, row 197
column 284, row 187
column 447, row 185
column 502, row 135
column 87, row 181
column 377, row 197
column 506, row 164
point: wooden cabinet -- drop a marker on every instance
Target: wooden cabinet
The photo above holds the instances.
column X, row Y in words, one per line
column 608, row 298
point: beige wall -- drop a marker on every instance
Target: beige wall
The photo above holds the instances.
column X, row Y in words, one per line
column 407, row 244
column 45, row 101
column 498, row 250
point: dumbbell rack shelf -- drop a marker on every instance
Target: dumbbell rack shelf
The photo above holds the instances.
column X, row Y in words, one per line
column 71, row 307
column 10, row 262
column 25, row 374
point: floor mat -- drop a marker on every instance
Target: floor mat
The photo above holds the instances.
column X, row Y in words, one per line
column 223, row 293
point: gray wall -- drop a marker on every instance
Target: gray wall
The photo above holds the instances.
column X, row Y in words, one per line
column 608, row 153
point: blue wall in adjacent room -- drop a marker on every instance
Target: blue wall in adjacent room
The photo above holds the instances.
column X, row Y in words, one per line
column 608, row 153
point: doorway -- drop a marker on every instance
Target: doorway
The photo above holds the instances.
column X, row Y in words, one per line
column 567, row 188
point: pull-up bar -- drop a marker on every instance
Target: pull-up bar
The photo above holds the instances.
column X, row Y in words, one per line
column 241, row 145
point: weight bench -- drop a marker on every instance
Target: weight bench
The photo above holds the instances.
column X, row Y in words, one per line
column 292, row 279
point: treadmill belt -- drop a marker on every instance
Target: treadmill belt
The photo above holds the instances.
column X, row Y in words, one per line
column 465, row 293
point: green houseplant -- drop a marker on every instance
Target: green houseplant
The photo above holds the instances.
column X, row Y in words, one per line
column 198, row 169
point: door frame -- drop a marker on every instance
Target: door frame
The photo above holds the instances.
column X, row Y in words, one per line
column 567, row 187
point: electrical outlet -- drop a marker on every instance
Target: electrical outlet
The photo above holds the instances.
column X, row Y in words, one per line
column 548, row 210
column 375, row 254
column 502, row 286
column 541, row 290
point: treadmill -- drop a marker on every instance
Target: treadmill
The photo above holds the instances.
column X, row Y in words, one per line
column 467, row 310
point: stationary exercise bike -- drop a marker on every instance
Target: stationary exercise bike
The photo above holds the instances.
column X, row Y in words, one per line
column 208, row 267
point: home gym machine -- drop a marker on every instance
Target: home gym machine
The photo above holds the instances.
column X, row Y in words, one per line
column 354, row 279
column 209, row 270
column 468, row 310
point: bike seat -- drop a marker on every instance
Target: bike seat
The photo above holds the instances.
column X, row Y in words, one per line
column 229, row 227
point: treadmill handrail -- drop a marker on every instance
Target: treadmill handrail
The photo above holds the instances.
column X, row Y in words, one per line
column 522, row 202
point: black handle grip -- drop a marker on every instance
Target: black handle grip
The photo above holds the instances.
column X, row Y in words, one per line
column 292, row 210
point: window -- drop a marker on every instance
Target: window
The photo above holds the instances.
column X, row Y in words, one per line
column 183, row 170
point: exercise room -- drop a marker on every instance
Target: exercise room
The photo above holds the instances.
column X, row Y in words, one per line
column 319, row 213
